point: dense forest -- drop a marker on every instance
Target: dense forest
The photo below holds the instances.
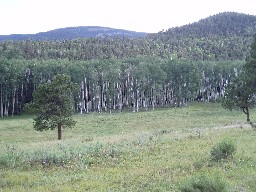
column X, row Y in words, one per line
column 166, row 69
column 225, row 36
column 69, row 33
column 106, row 85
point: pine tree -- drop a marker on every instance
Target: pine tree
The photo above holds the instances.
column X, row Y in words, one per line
column 52, row 101
column 241, row 93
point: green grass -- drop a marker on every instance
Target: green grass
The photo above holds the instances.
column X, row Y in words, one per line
column 157, row 150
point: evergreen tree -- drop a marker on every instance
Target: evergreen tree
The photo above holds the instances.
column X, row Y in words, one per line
column 250, row 66
column 241, row 93
column 53, row 104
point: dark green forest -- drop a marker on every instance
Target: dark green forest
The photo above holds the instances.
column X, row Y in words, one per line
column 72, row 33
column 114, row 73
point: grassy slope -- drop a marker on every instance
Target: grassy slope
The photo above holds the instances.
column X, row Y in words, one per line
column 145, row 151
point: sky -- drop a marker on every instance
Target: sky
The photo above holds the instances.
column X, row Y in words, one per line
column 33, row 16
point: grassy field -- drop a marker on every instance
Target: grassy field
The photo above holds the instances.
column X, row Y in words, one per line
column 159, row 150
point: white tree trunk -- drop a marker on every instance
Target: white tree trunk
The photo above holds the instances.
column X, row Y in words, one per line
column 1, row 101
column 13, row 101
column 86, row 96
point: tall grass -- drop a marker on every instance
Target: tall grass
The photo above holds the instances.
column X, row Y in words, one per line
column 147, row 151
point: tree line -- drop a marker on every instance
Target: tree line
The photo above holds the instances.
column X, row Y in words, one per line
column 225, row 36
column 133, row 84
column 213, row 48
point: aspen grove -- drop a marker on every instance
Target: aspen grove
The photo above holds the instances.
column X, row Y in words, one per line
column 133, row 84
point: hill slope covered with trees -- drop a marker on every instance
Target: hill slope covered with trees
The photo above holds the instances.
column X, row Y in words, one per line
column 69, row 33
column 166, row 69
column 225, row 36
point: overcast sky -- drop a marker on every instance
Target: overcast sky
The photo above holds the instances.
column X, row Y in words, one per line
column 32, row 16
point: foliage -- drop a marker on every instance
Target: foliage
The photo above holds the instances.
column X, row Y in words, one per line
column 223, row 150
column 224, row 36
column 241, row 93
column 74, row 33
column 204, row 183
column 52, row 103
column 166, row 69
column 250, row 67
column 107, row 85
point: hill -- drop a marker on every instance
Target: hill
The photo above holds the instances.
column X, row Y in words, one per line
column 222, row 24
column 224, row 36
column 73, row 33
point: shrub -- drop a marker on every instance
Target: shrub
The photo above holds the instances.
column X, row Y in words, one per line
column 204, row 183
column 223, row 150
column 199, row 163
column 11, row 156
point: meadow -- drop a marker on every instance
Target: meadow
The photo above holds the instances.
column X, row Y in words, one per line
column 160, row 150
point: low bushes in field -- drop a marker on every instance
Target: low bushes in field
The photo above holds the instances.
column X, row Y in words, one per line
column 223, row 150
column 57, row 155
column 204, row 183
column 71, row 154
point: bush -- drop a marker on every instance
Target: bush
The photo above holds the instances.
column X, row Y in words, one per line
column 204, row 183
column 223, row 150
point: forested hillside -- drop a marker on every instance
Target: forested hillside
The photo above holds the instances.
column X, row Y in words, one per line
column 223, row 25
column 166, row 69
column 225, row 36
column 73, row 33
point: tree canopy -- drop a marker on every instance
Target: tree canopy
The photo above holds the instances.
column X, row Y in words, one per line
column 133, row 84
column 166, row 69
column 53, row 102
column 224, row 36
column 241, row 92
